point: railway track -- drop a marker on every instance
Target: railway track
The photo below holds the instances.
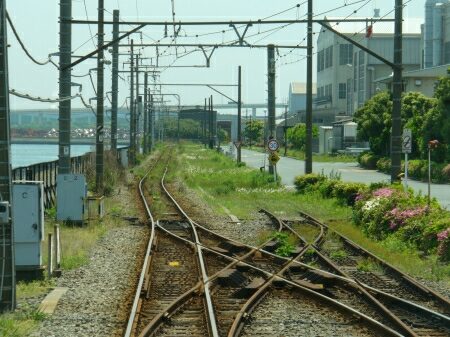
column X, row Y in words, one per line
column 198, row 283
column 403, row 300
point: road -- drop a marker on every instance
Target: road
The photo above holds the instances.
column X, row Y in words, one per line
column 289, row 168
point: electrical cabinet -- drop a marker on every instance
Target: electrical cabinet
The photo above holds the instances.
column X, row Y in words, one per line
column 28, row 222
column 71, row 193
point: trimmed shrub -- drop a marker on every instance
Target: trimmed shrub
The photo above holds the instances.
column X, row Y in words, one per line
column 305, row 182
column 327, row 186
column 384, row 165
column 446, row 171
column 415, row 168
column 368, row 160
column 347, row 192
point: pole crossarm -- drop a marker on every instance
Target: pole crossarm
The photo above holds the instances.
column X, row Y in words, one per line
column 221, row 93
column 208, row 57
column 241, row 37
column 105, row 46
column 222, row 23
column 197, row 84
column 360, row 46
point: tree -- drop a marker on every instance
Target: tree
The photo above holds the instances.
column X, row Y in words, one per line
column 436, row 123
column 253, row 130
column 374, row 122
column 222, row 135
column 297, row 135
column 415, row 108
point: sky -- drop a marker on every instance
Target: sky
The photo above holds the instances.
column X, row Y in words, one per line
column 37, row 24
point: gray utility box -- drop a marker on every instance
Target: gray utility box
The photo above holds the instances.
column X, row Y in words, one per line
column 71, row 193
column 28, row 222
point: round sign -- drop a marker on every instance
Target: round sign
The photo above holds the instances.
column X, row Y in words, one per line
column 273, row 145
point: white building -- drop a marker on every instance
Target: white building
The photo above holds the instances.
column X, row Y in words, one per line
column 346, row 74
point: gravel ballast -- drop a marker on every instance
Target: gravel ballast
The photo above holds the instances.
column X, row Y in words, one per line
column 100, row 294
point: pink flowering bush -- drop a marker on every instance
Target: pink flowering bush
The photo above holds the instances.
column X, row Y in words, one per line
column 400, row 217
column 443, row 249
column 385, row 211
column 384, row 192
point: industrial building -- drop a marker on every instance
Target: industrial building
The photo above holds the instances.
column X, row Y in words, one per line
column 346, row 74
column 436, row 34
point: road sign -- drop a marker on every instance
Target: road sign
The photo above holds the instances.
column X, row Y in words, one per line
column 237, row 144
column 274, row 158
column 406, row 141
column 273, row 145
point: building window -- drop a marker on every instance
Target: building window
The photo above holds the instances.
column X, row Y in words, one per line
column 355, row 73
column 345, row 54
column 361, row 79
column 329, row 57
column 349, row 97
column 342, row 91
column 447, row 52
column 320, row 61
column 328, row 90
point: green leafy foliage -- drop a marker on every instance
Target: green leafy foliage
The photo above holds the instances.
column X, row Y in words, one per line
column 297, row 135
column 428, row 119
column 391, row 212
column 285, row 248
column 253, row 130
column 307, row 181
column 368, row 160
column 374, row 122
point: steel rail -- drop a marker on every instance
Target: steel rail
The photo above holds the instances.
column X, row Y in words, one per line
column 210, row 308
column 321, row 297
column 316, row 270
column 133, row 314
column 412, row 282
column 365, row 293
column 257, row 297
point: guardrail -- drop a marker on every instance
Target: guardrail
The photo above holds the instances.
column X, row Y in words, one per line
column 47, row 172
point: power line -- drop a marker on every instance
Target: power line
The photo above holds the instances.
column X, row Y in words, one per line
column 23, row 45
column 40, row 99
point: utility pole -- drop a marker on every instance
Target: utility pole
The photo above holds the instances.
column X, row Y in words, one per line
column 212, row 128
column 115, row 81
column 396, row 136
column 205, row 120
column 309, row 74
column 138, row 110
column 271, row 94
column 285, row 130
column 239, row 136
column 100, row 103
column 152, row 123
column 145, row 113
column 8, row 275
column 131, row 150
column 65, row 58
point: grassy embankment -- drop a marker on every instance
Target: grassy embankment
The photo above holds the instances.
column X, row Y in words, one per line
column 320, row 158
column 76, row 244
column 243, row 191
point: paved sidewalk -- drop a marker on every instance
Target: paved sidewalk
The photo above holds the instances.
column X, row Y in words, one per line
column 289, row 168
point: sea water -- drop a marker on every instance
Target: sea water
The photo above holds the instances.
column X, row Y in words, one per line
column 28, row 154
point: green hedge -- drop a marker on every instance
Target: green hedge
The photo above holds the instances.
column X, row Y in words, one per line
column 305, row 182
column 417, row 168
column 345, row 192
column 368, row 160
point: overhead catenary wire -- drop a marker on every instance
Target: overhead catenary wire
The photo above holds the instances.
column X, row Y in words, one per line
column 24, row 48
